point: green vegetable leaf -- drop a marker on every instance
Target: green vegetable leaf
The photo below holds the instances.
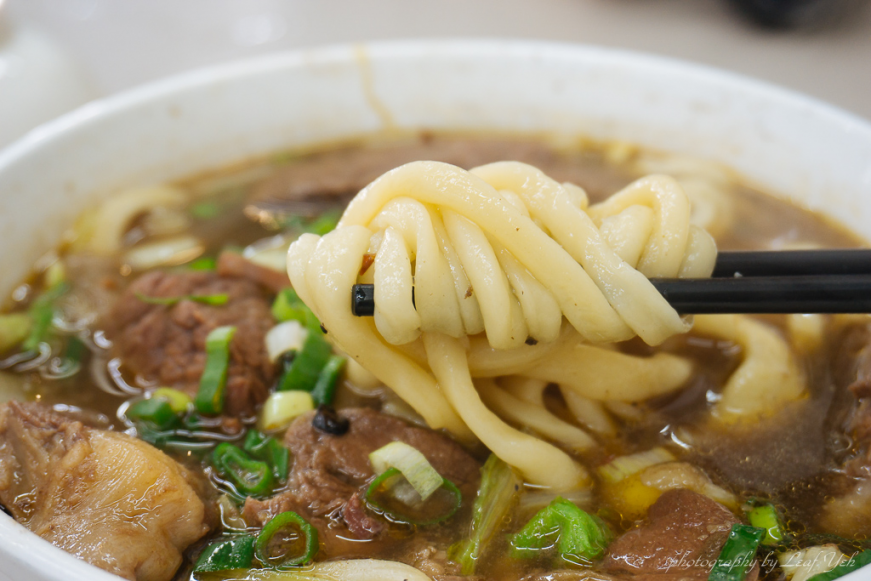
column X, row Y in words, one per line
column 578, row 536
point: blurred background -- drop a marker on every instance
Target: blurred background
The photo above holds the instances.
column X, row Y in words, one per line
column 57, row 54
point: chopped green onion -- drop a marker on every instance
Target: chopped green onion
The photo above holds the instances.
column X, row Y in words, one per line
column 214, row 300
column 324, row 223
column 852, row 564
column 251, row 477
column 413, row 465
column 210, row 397
column 765, row 517
column 325, row 388
column 289, row 307
column 737, row 554
column 42, row 312
column 285, row 523
column 393, row 486
column 179, row 401
column 305, row 369
column 267, row 449
column 55, row 274
column 205, row 210
column 204, row 263
column 156, row 411
column 71, row 361
column 497, row 495
column 171, row 439
column 625, row 466
column 234, row 553
column 281, row 407
column 283, row 338
column 14, row 328
column 579, row 537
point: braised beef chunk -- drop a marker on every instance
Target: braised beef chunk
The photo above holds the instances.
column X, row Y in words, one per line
column 166, row 343
column 110, row 499
column 329, row 472
column 341, row 173
column 682, row 538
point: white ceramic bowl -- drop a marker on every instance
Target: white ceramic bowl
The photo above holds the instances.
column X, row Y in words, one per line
column 790, row 144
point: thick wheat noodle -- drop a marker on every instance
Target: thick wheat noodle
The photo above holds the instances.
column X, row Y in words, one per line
column 498, row 259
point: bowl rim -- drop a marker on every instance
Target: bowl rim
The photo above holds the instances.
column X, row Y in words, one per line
column 201, row 76
column 15, row 540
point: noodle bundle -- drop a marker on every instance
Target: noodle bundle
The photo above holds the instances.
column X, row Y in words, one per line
column 494, row 282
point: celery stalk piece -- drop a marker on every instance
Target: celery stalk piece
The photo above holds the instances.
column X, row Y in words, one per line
column 497, row 495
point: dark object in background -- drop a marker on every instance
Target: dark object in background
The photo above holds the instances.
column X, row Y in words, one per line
column 783, row 14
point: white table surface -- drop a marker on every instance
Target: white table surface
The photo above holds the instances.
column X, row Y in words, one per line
column 122, row 43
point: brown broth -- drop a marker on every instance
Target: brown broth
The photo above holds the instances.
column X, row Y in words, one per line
column 790, row 459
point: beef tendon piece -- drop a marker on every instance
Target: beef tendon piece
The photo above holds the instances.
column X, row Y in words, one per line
column 167, row 343
column 681, row 539
column 107, row 498
column 330, row 472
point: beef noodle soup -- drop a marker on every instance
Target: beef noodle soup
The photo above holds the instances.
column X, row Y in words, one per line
column 187, row 394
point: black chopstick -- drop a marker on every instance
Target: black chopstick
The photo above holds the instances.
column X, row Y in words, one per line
column 772, row 282
column 793, row 262
column 772, row 295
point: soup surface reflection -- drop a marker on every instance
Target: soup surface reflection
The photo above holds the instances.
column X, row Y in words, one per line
column 171, row 401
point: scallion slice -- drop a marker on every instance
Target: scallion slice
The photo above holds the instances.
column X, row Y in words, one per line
column 289, row 307
column 267, row 449
column 287, row 523
column 234, row 553
column 305, row 369
column 158, row 412
column 210, row 397
column 179, row 401
column 414, row 466
column 250, row 476
column 765, row 517
column 325, row 388
column 285, row 337
column 204, row 263
column 214, row 300
column 42, row 312
column 737, row 554
column 14, row 328
column 391, row 495
column 281, row 407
